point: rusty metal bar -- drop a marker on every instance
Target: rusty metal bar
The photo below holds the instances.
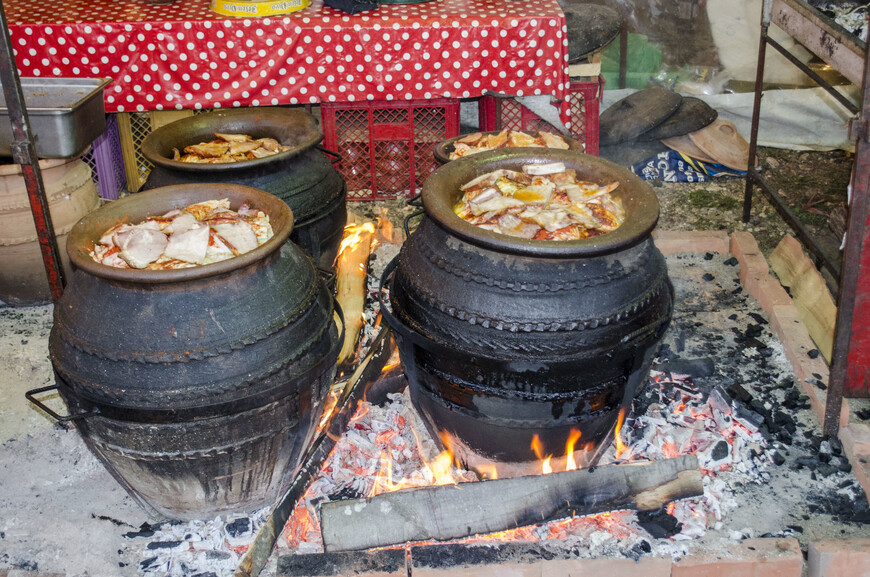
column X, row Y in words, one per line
column 756, row 115
column 855, row 251
column 24, row 154
column 847, row 104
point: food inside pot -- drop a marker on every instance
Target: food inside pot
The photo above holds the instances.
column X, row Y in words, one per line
column 229, row 148
column 201, row 233
column 543, row 202
column 480, row 142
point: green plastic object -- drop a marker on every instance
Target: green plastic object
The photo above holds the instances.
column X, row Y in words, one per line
column 644, row 60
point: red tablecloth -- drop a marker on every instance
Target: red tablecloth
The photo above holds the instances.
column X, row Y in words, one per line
column 185, row 56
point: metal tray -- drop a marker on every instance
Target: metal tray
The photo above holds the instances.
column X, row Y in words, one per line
column 66, row 115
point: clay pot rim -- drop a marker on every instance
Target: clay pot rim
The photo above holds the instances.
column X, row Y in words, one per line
column 289, row 126
column 443, row 149
column 441, row 191
column 137, row 207
column 13, row 169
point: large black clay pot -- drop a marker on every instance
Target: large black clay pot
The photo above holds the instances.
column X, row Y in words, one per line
column 506, row 340
column 303, row 177
column 198, row 388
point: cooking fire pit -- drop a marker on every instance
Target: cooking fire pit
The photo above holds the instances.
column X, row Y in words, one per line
column 519, row 349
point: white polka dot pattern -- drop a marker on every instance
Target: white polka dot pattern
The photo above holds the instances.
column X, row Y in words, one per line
column 182, row 55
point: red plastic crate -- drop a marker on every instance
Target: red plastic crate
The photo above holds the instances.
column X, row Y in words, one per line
column 386, row 146
column 498, row 112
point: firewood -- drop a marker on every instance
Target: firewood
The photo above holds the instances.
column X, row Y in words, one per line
column 809, row 292
column 455, row 511
column 350, row 282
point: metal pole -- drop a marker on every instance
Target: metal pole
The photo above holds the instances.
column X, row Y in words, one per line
column 756, row 110
column 23, row 153
column 857, row 245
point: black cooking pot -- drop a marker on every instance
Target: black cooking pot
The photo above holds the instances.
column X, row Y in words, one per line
column 506, row 339
column 198, row 388
column 303, row 176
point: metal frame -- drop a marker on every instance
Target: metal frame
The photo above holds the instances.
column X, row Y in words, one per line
column 841, row 51
column 23, row 153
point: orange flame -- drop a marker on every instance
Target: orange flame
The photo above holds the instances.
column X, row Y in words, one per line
column 353, row 236
column 545, row 466
column 620, row 446
column 385, row 227
column 573, row 437
column 537, row 446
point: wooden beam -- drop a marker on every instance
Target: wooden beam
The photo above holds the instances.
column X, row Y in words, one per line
column 455, row 511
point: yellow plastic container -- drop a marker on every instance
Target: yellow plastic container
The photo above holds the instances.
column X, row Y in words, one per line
column 255, row 8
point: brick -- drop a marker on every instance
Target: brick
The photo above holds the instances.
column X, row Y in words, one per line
column 745, row 249
column 672, row 241
column 767, row 291
column 645, row 566
column 861, row 471
column 384, row 563
column 796, row 341
column 491, row 560
column 839, row 558
column 749, row 558
column 856, row 438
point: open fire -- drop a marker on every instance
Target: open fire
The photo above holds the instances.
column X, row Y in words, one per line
column 386, row 448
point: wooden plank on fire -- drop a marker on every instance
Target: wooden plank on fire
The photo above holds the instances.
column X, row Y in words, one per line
column 808, row 290
column 454, row 511
column 350, row 283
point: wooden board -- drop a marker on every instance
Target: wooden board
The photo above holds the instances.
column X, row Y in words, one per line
column 809, row 292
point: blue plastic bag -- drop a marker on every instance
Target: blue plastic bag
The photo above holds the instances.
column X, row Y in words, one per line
column 673, row 166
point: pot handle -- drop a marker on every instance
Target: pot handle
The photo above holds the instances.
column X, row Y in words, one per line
column 29, row 395
column 416, row 200
column 408, row 218
column 338, row 158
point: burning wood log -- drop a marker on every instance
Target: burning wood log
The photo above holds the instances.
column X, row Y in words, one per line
column 350, row 271
column 454, row 511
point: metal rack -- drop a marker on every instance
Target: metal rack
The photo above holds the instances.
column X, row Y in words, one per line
column 23, row 153
column 847, row 55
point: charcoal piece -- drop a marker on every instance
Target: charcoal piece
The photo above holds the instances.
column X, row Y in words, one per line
column 860, row 517
column 758, row 318
column 826, row 470
column 146, row 563
column 206, row 574
column 383, row 562
column 704, row 367
column 239, row 527
column 753, row 343
column 135, row 534
column 825, row 457
column 742, row 413
column 732, row 261
column 659, row 523
column 732, row 317
column 753, row 331
column 844, row 484
column 863, row 414
column 778, row 459
column 720, row 451
column 785, row 421
column 738, row 392
column 163, row 545
column 813, row 354
column 796, row 528
column 708, row 277
column 836, row 445
column 218, row 555
column 644, row 546
column 845, row 466
column 808, row 462
column 708, row 256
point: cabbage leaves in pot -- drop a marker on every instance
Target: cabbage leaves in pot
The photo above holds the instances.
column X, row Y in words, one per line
column 543, row 202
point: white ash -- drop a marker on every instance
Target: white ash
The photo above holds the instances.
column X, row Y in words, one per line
column 197, row 548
